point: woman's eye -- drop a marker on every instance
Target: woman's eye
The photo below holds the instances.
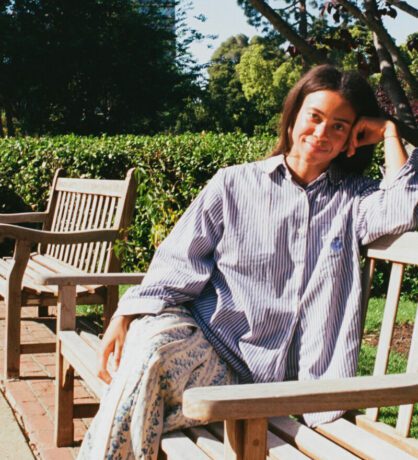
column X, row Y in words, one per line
column 339, row 127
column 314, row 116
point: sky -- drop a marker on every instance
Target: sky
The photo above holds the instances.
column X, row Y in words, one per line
column 225, row 18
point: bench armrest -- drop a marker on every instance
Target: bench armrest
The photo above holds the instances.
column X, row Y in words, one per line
column 262, row 400
column 105, row 279
column 47, row 237
column 23, row 217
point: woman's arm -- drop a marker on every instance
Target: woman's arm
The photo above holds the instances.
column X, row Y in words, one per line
column 373, row 130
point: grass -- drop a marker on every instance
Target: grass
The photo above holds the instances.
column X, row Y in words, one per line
column 397, row 362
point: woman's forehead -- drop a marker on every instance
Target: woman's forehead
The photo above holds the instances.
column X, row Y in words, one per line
column 330, row 103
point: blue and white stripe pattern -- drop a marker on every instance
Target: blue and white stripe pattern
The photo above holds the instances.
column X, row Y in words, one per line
column 271, row 270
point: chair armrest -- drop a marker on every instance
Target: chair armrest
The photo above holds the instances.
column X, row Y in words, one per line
column 23, row 217
column 105, row 279
column 262, row 400
column 47, row 237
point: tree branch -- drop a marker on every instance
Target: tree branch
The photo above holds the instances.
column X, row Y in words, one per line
column 310, row 54
column 404, row 6
column 385, row 39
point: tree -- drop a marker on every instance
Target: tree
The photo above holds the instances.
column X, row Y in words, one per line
column 89, row 66
column 295, row 24
column 227, row 107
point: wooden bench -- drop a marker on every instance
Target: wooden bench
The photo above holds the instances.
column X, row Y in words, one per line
column 83, row 220
column 256, row 423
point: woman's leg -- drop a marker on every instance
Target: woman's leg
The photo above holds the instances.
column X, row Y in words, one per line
column 163, row 355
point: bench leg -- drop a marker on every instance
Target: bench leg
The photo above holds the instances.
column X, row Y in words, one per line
column 13, row 304
column 111, row 303
column 245, row 439
column 64, row 390
column 64, row 403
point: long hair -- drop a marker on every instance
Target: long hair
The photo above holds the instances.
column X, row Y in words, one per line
column 353, row 87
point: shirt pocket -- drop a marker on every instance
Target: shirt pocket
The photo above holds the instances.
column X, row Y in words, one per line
column 332, row 256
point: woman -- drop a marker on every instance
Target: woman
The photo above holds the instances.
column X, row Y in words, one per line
column 259, row 281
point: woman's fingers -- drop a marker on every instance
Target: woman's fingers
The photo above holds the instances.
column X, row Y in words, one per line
column 103, row 373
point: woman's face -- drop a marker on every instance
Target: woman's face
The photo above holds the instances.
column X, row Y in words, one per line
column 322, row 128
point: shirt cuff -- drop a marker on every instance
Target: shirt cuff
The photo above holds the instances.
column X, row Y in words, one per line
column 139, row 306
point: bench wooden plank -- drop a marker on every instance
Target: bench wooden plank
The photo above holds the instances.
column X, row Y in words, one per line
column 206, row 441
column 385, row 432
column 92, row 186
column 83, row 358
column 177, row 446
column 388, row 323
column 307, row 441
column 360, row 442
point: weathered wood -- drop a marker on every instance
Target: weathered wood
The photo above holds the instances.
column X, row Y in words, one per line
column 307, row 441
column 13, row 301
column 83, row 358
column 403, row 423
column 107, row 279
column 23, row 217
column 396, row 249
column 388, row 323
column 85, row 410
column 255, row 439
column 30, row 348
column 234, row 439
column 283, row 398
column 177, row 446
column 386, row 432
column 360, row 442
column 92, row 186
column 207, row 442
column 64, row 395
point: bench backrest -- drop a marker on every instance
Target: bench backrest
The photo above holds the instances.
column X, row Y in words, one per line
column 400, row 251
column 89, row 204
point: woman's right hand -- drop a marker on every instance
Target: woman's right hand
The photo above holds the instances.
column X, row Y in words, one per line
column 112, row 342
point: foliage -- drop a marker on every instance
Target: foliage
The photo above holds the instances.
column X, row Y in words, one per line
column 90, row 66
column 170, row 170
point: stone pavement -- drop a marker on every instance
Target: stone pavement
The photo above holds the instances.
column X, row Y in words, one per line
column 32, row 397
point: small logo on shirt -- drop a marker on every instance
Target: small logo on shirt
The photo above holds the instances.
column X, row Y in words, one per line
column 336, row 245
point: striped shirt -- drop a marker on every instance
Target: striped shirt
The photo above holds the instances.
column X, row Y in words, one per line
column 271, row 269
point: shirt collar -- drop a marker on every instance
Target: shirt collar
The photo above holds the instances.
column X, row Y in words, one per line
column 269, row 165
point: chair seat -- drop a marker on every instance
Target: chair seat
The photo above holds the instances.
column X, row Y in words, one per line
column 38, row 265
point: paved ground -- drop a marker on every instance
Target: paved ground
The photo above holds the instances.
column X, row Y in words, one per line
column 13, row 444
column 32, row 397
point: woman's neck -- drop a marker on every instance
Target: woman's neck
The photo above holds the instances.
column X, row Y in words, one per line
column 303, row 173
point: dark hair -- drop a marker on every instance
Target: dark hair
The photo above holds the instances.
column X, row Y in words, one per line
column 353, row 87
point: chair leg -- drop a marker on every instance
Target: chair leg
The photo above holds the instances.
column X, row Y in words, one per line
column 110, row 305
column 13, row 303
column 12, row 338
column 64, row 402
column 64, row 379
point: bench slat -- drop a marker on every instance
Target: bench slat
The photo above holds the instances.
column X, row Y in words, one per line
column 385, row 432
column 307, row 441
column 360, row 442
column 177, row 446
column 206, row 441
column 93, row 186
column 83, row 358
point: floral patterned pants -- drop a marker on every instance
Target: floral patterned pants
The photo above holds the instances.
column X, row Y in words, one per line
column 163, row 355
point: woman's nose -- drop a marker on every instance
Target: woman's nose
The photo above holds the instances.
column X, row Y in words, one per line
column 320, row 130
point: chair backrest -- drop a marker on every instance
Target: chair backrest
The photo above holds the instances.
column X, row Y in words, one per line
column 400, row 251
column 89, row 204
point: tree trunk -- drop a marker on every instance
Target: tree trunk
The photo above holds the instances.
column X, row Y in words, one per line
column 9, row 120
column 310, row 53
column 1, row 122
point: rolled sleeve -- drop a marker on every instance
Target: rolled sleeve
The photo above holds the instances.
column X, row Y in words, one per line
column 390, row 208
column 183, row 263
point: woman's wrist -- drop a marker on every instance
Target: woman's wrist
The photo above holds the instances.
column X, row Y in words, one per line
column 390, row 130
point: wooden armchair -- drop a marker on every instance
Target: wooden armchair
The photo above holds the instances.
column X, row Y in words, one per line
column 256, row 423
column 83, row 219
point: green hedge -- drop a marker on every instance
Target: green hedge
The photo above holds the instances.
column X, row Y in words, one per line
column 170, row 172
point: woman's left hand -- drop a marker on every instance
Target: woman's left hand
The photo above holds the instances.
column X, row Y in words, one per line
column 370, row 131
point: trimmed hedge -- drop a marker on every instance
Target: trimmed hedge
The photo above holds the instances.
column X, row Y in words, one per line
column 170, row 172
